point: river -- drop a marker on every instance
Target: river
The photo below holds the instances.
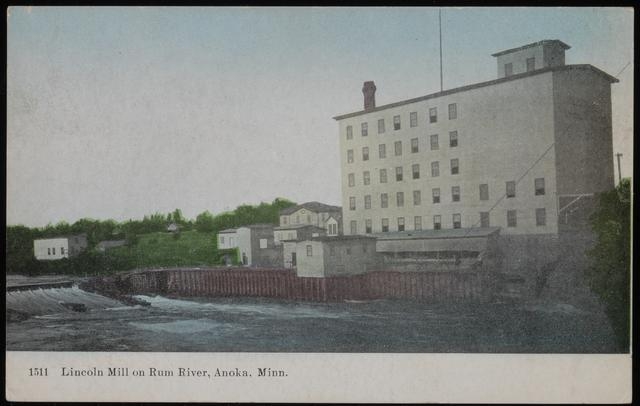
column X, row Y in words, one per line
column 266, row 325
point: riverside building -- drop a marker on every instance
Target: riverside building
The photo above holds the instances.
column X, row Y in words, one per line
column 525, row 152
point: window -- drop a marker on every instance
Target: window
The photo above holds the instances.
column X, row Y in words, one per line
column 417, row 223
column 437, row 222
column 62, row 249
column 457, row 223
column 365, row 153
column 284, row 219
column 415, row 169
column 455, row 168
column 453, row 111
column 385, row 225
column 308, row 218
column 400, row 199
column 297, row 219
column 354, row 227
column 484, row 219
column 383, row 176
column 539, row 186
column 382, row 151
column 263, row 243
column 413, row 119
column 53, row 251
column 367, row 201
column 352, row 179
column 221, row 239
column 399, row 173
column 364, row 129
column 435, row 194
column 333, row 229
column 396, row 122
column 367, row 226
column 511, row 188
column 398, row 147
column 400, row 223
column 381, row 126
column 435, row 169
column 350, row 156
column 417, row 198
column 531, row 64
column 414, row 145
column 384, row 200
column 433, row 115
column 508, row 69
column 352, row 203
column 453, row 139
column 349, row 132
column 347, row 250
column 434, row 142
column 541, row 217
column 48, row 251
column 484, row 191
column 366, row 177
column 512, row 219
column 455, row 193
column 309, row 251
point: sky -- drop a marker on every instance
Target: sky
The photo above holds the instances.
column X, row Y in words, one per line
column 114, row 113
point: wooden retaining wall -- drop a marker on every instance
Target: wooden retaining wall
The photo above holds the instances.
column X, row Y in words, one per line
column 285, row 284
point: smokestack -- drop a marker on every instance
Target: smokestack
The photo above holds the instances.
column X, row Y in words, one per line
column 369, row 91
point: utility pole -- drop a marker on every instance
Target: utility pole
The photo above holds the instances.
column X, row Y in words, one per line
column 440, row 27
column 618, row 155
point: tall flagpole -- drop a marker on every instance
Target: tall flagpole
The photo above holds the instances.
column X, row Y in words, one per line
column 440, row 26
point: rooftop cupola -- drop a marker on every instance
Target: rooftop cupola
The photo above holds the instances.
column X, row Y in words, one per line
column 538, row 55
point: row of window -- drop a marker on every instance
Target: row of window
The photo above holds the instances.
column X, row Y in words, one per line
column 399, row 172
column 456, row 221
column 415, row 147
column 52, row 251
column 397, row 124
column 435, row 195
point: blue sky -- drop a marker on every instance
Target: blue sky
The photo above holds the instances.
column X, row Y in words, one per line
column 121, row 112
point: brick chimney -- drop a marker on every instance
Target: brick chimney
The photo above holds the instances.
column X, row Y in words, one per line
column 369, row 91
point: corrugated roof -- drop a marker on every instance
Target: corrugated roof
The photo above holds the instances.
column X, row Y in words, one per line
column 258, row 225
column 533, row 44
column 297, row 226
column 311, row 206
column 343, row 237
column 479, row 85
column 439, row 234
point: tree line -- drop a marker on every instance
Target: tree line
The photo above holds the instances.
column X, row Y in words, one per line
column 19, row 238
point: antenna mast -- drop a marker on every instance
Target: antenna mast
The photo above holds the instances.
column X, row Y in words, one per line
column 440, row 27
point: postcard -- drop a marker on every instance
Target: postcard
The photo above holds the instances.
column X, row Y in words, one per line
column 309, row 205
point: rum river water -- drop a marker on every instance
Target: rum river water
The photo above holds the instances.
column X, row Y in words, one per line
column 262, row 325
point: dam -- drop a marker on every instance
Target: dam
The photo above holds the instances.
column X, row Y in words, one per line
column 285, row 284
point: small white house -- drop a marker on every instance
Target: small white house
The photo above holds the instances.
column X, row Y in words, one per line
column 48, row 249
column 228, row 239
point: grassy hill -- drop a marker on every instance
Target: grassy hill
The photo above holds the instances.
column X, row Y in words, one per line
column 189, row 248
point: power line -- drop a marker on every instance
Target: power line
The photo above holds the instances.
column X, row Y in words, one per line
column 621, row 70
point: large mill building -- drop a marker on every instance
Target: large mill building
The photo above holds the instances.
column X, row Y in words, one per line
column 525, row 152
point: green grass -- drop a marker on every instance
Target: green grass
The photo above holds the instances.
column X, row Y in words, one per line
column 191, row 248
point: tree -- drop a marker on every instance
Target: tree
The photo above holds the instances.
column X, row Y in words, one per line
column 205, row 222
column 609, row 273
